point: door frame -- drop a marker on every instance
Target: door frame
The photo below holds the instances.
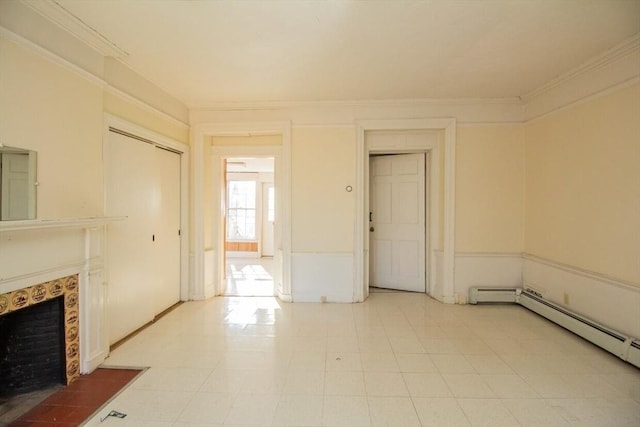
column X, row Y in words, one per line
column 263, row 225
column 440, row 263
column 201, row 135
column 111, row 121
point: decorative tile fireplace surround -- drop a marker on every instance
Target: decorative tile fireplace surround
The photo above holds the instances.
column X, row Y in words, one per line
column 67, row 288
column 44, row 259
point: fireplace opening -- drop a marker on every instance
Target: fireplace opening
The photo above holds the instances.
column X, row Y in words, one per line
column 32, row 348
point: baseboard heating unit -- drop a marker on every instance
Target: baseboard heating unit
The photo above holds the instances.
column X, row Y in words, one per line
column 625, row 347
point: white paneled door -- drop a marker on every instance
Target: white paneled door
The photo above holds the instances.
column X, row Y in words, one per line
column 397, row 222
column 143, row 251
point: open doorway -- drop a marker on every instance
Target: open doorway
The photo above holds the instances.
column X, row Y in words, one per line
column 249, row 220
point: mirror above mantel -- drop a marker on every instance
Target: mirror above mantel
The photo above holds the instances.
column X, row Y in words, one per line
column 18, row 171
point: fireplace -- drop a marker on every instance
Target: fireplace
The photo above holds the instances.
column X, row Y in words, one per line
column 39, row 336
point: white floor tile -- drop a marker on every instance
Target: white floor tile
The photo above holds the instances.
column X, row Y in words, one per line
column 452, row 364
column 379, row 362
column 296, row 410
column 344, row 384
column 468, row 386
column 426, row 385
column 396, row 359
column 385, row 384
column 207, row 408
column 392, row 412
column 410, row 362
column 346, row 411
column 535, row 412
column 487, row 413
column 304, row 382
column 440, row 412
column 253, row 409
column 343, row 362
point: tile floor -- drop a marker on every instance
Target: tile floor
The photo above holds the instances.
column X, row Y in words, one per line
column 249, row 277
column 398, row 359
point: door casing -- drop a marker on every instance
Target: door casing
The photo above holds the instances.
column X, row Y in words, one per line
column 443, row 289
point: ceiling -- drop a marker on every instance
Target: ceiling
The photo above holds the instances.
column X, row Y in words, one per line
column 206, row 53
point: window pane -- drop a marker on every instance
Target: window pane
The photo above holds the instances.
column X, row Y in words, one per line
column 241, row 210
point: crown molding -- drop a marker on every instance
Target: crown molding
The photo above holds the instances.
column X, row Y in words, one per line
column 611, row 70
column 287, row 105
column 56, row 13
column 628, row 47
column 51, row 57
column 88, row 76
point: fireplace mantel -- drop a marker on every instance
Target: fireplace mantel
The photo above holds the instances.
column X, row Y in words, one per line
column 38, row 251
column 38, row 224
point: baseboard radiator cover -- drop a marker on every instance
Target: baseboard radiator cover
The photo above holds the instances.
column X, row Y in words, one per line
column 494, row 295
column 625, row 347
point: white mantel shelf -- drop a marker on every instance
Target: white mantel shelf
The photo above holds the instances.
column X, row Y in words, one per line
column 37, row 224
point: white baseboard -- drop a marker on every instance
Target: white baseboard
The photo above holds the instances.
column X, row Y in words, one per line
column 486, row 269
column 92, row 362
column 322, row 277
column 608, row 301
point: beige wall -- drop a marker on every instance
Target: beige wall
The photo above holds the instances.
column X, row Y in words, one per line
column 323, row 164
column 52, row 110
column 45, row 108
column 489, row 189
column 583, row 185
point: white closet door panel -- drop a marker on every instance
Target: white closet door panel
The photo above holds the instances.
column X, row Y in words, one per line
column 167, row 229
column 130, row 192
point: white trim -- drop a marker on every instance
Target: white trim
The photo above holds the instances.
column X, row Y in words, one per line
column 362, row 201
column 38, row 224
column 488, row 254
column 627, row 47
column 611, row 70
column 56, row 13
column 605, row 300
column 286, row 105
column 583, row 100
column 51, row 57
column 184, row 151
column 635, row 287
column 282, row 155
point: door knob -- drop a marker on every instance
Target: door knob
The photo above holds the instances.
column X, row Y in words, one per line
column 371, row 229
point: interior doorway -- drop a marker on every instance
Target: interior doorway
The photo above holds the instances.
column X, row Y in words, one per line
column 249, row 218
column 427, row 144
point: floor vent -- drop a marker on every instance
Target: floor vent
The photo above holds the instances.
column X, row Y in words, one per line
column 625, row 347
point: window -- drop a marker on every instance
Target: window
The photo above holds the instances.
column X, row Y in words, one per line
column 241, row 210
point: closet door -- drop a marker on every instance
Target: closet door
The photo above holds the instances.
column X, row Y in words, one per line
column 143, row 251
column 130, row 191
column 167, row 230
